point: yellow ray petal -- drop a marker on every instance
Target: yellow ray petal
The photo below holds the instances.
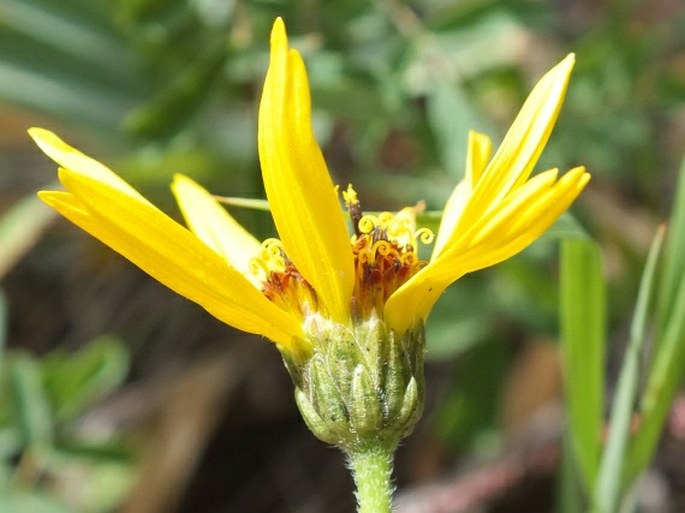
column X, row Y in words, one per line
column 303, row 201
column 414, row 300
column 518, row 205
column 478, row 155
column 172, row 255
column 450, row 216
column 523, row 143
column 210, row 221
column 519, row 225
column 479, row 150
column 531, row 224
column 521, row 220
column 71, row 158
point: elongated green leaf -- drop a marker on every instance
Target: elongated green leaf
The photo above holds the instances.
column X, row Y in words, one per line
column 74, row 381
column 674, row 262
column 451, row 117
column 65, row 59
column 3, row 323
column 174, row 105
column 569, row 488
column 607, row 493
column 566, row 227
column 29, row 400
column 583, row 332
column 667, row 368
column 20, row 229
column 664, row 378
column 79, row 33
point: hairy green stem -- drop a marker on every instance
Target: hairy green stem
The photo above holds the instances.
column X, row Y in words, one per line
column 372, row 469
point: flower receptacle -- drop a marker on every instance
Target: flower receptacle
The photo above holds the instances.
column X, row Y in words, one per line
column 362, row 384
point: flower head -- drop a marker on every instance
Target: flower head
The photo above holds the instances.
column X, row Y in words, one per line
column 317, row 275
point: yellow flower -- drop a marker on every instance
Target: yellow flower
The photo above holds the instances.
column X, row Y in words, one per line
column 316, row 273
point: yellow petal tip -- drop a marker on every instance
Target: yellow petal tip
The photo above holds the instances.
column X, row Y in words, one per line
column 566, row 65
column 279, row 37
column 45, row 139
column 45, row 196
column 35, row 131
column 180, row 178
column 39, row 133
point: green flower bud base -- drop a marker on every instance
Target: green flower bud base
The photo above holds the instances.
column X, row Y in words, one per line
column 362, row 390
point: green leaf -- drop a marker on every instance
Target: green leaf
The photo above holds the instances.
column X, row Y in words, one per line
column 583, row 333
column 10, row 444
column 674, row 263
column 80, row 33
column 607, row 492
column 3, row 324
column 31, row 405
column 75, row 381
column 105, row 473
column 30, row 501
column 569, row 497
column 65, row 59
column 666, row 371
column 460, row 320
column 451, row 117
column 566, row 227
column 175, row 105
column 20, row 228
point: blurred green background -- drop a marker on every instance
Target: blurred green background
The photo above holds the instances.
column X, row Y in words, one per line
column 118, row 395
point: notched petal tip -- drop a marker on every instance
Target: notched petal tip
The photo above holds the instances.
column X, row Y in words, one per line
column 53, row 146
column 577, row 174
column 50, row 197
column 77, row 163
column 478, row 155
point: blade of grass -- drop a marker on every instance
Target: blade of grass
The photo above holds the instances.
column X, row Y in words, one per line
column 607, row 493
column 674, row 263
column 662, row 385
column 3, row 324
column 666, row 371
column 569, row 487
column 583, row 333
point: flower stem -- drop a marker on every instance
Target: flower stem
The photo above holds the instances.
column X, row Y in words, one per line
column 371, row 467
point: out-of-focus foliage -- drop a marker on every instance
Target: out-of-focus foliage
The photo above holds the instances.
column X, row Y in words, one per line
column 48, row 463
column 396, row 85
